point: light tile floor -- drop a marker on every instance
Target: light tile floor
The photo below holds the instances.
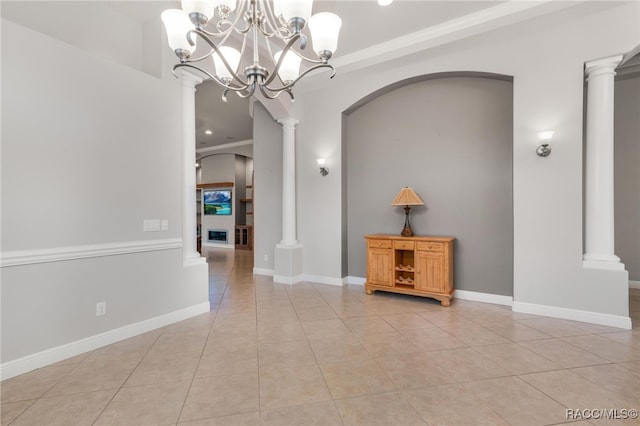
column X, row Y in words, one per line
column 314, row 354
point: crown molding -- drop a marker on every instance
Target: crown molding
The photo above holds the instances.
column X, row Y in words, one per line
column 224, row 146
column 503, row 14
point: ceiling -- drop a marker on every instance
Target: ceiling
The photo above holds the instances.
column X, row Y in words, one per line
column 362, row 21
column 370, row 34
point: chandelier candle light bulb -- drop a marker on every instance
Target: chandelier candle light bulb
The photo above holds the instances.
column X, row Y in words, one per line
column 258, row 23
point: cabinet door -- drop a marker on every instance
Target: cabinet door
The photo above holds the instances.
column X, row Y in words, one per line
column 380, row 266
column 430, row 272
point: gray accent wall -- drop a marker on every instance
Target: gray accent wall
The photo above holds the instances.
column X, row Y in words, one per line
column 627, row 173
column 450, row 139
column 267, row 185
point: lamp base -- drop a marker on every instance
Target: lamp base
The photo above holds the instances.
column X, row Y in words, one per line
column 406, row 231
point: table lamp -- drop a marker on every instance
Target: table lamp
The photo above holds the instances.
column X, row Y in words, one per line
column 407, row 198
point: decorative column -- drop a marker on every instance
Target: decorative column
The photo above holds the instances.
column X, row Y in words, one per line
column 599, row 219
column 288, row 181
column 190, row 255
column 288, row 254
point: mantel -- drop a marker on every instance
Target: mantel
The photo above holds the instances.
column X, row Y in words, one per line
column 215, row 185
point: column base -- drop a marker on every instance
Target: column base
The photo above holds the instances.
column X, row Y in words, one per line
column 288, row 264
column 602, row 261
column 194, row 258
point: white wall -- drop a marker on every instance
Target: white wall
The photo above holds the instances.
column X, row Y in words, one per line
column 546, row 58
column 267, row 198
column 92, row 26
column 90, row 149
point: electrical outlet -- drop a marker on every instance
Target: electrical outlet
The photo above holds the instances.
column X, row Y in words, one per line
column 164, row 224
column 101, row 309
column 266, row 257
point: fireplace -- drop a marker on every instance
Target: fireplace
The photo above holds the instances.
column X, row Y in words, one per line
column 217, row 236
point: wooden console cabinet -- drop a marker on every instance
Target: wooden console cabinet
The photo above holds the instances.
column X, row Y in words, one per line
column 421, row 266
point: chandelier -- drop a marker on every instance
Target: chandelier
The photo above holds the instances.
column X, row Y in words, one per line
column 214, row 22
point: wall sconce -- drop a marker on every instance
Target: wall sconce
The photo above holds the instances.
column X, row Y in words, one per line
column 545, row 137
column 323, row 170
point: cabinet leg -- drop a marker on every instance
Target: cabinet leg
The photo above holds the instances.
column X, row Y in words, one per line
column 369, row 291
column 445, row 303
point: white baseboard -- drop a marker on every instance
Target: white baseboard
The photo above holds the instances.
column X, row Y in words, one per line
column 218, row 245
column 573, row 314
column 634, row 284
column 283, row 279
column 50, row 356
column 475, row 296
column 263, row 271
column 355, row 280
column 323, row 280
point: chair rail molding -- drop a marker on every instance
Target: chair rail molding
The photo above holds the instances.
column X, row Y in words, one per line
column 59, row 254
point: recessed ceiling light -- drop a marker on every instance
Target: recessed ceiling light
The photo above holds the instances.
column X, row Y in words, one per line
column 385, row 2
column 208, row 132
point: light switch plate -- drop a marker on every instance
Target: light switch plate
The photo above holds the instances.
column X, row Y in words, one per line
column 150, row 225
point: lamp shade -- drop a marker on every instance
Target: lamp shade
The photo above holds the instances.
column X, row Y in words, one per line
column 177, row 24
column 232, row 57
column 294, row 8
column 204, row 7
column 290, row 68
column 325, row 28
column 407, row 197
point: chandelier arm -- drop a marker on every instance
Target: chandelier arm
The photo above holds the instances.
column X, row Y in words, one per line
column 274, row 27
column 309, row 60
column 286, row 49
column 211, row 76
column 242, row 12
column 203, row 35
column 266, row 23
column 224, row 60
column 221, row 32
column 241, row 93
column 291, row 84
column 266, row 93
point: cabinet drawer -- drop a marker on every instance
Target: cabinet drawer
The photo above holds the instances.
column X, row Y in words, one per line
column 380, row 243
column 430, row 246
column 404, row 245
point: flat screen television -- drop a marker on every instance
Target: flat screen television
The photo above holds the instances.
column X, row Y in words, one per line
column 216, row 201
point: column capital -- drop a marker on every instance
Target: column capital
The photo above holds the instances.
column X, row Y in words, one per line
column 602, row 66
column 190, row 79
column 288, row 122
